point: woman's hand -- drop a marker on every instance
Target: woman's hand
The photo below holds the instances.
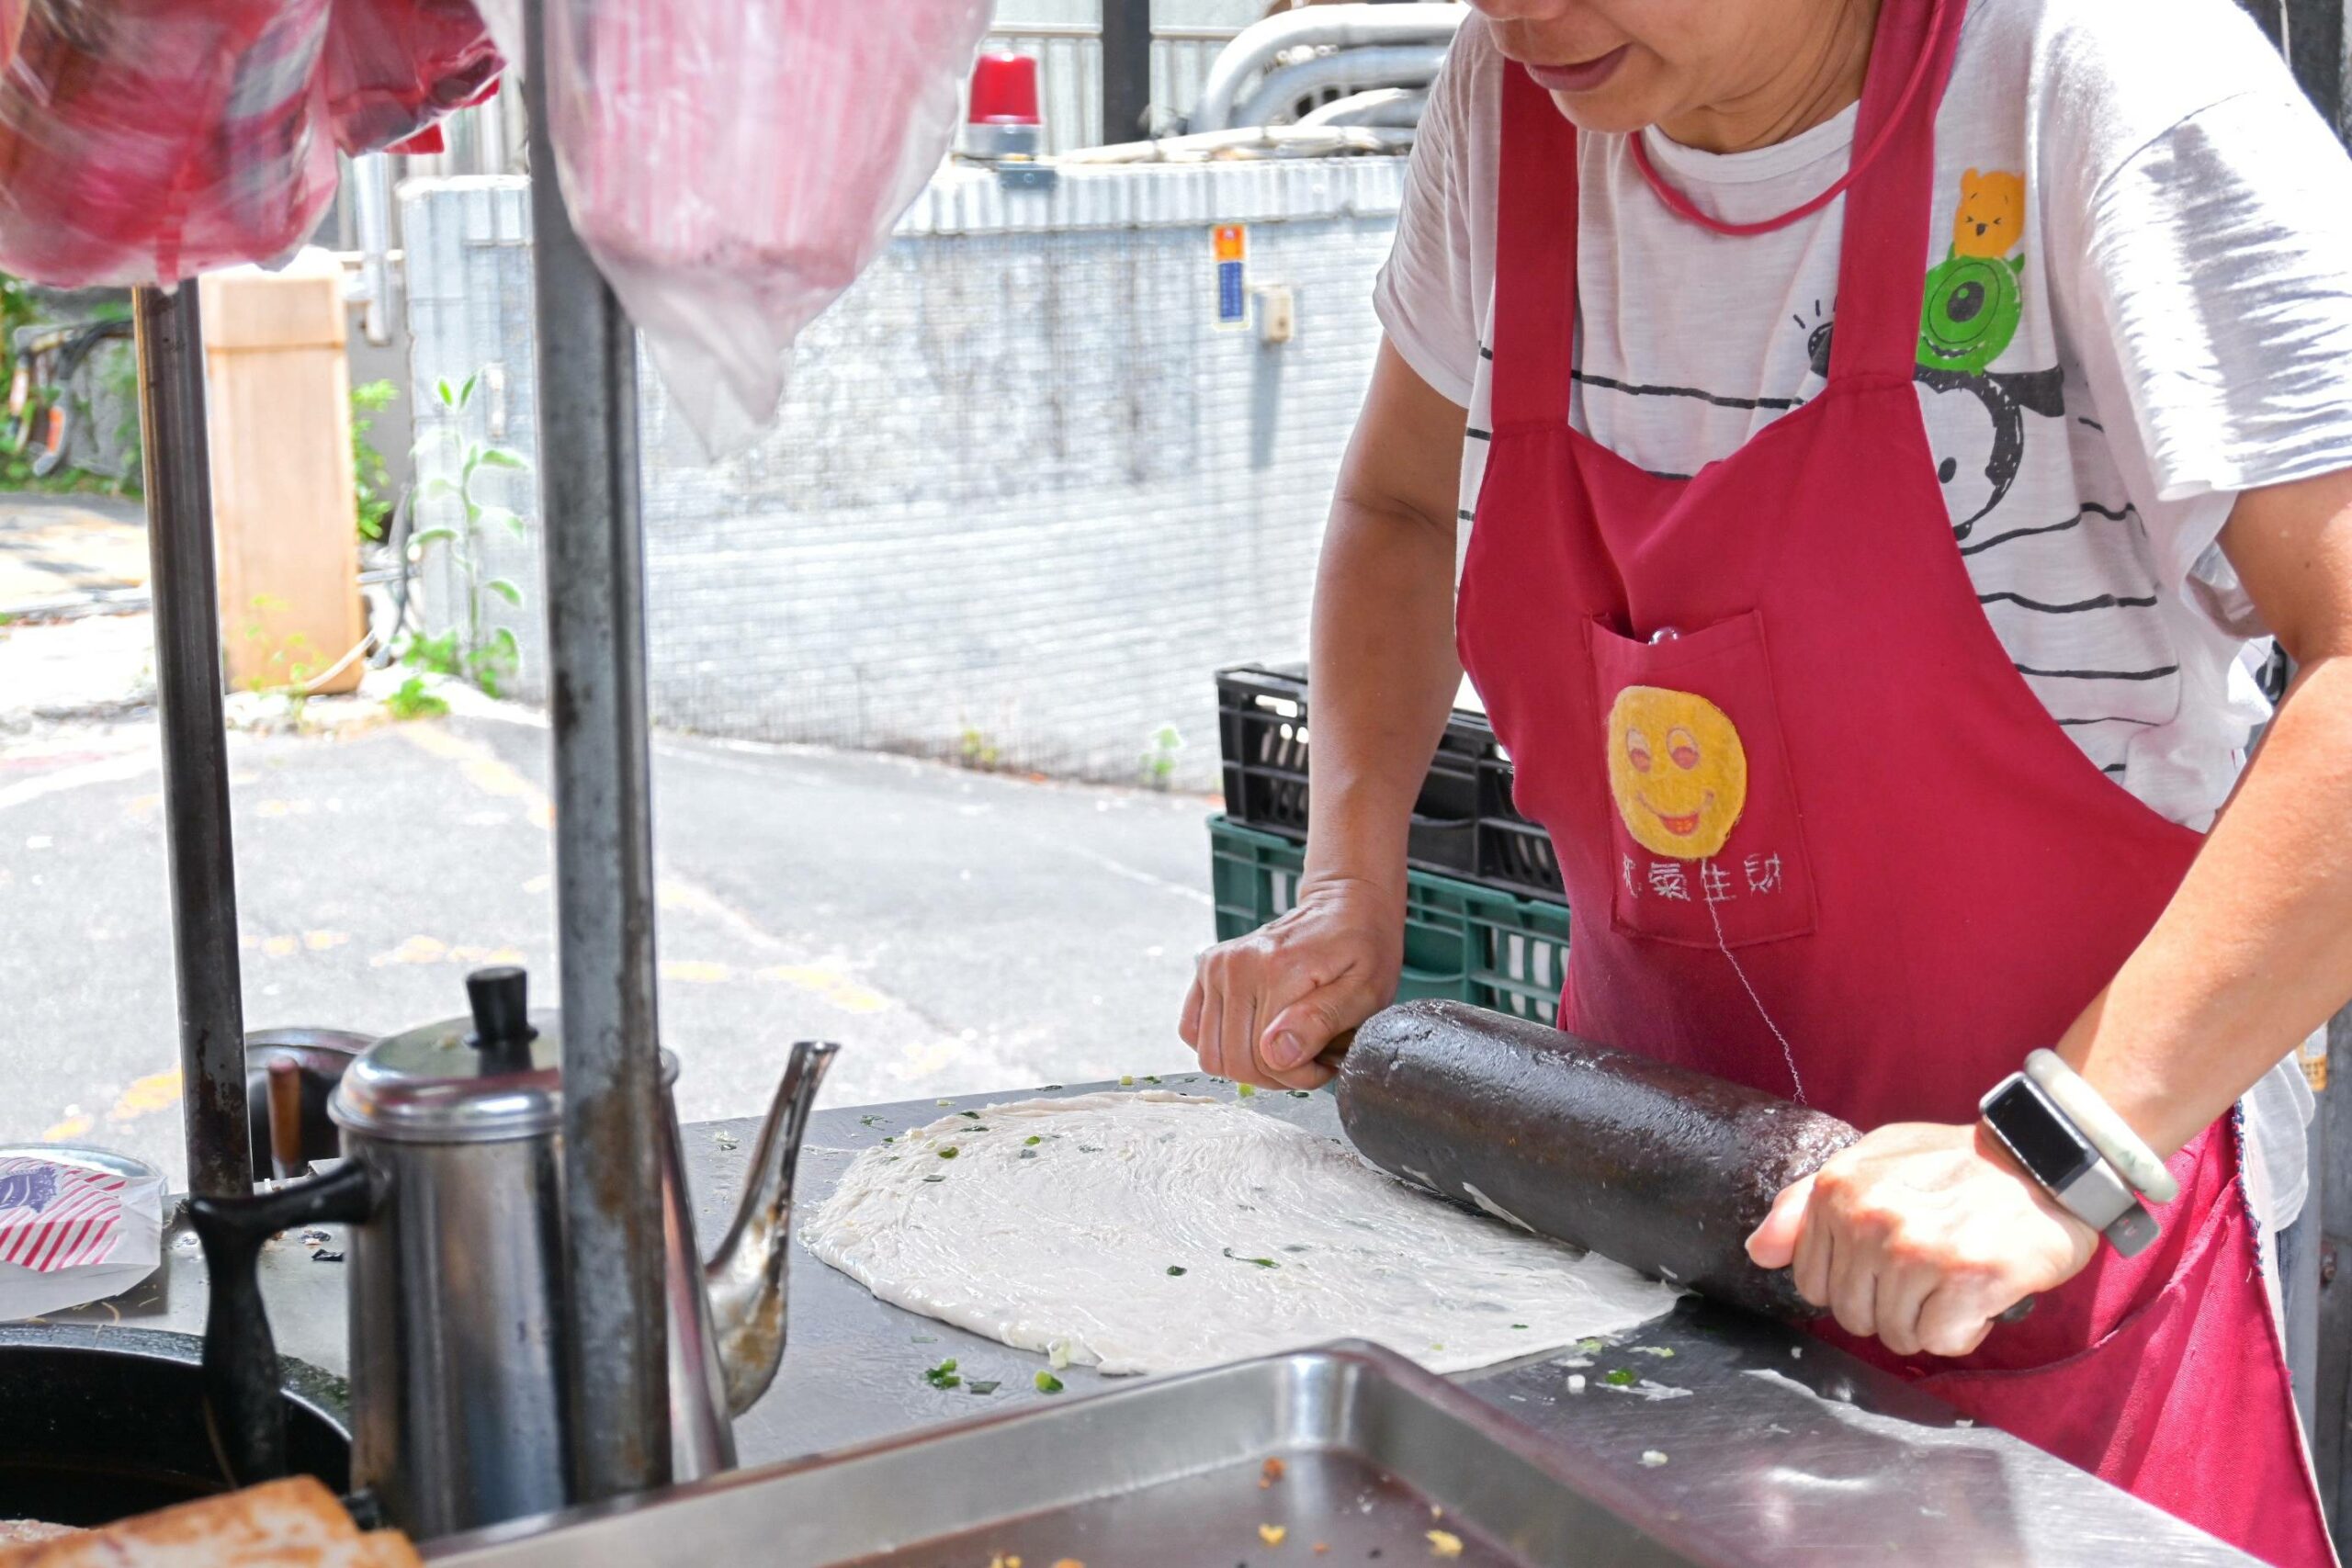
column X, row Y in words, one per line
column 1921, row 1234
column 1264, row 1005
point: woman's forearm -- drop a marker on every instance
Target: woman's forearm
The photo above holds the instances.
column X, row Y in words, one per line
column 2254, row 951
column 1383, row 678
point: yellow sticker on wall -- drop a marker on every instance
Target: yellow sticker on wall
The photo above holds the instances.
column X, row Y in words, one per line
column 1677, row 771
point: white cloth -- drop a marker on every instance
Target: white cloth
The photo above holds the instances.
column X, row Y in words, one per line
column 2177, row 225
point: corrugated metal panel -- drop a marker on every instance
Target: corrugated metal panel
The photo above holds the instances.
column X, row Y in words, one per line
column 967, row 201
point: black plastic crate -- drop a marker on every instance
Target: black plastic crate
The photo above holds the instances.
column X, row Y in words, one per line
column 1464, row 822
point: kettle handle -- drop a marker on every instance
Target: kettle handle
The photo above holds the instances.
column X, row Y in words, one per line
column 244, row 1410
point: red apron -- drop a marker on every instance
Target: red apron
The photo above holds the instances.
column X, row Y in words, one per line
column 1819, row 835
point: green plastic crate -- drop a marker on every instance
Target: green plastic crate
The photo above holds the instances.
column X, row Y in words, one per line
column 1470, row 943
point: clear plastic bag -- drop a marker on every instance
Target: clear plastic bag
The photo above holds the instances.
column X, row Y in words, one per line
column 733, row 165
column 146, row 140
column 395, row 66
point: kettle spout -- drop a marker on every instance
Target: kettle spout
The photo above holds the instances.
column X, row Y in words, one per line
column 746, row 1277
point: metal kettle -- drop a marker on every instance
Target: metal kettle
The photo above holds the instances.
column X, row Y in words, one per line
column 451, row 1183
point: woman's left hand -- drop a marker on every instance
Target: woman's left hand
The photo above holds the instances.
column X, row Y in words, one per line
column 1921, row 1234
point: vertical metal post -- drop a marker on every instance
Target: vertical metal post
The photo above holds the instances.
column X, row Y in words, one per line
column 1126, row 69
column 196, row 748
column 594, row 550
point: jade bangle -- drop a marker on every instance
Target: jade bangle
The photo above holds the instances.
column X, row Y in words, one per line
column 2106, row 1131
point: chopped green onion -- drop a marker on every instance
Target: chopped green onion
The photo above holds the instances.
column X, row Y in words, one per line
column 1245, row 1090
column 935, row 1179
column 1033, row 1140
column 1127, row 1080
column 986, row 1385
column 1621, row 1377
column 1048, row 1383
column 1261, row 1262
column 942, row 1375
column 973, row 1114
column 1175, row 1271
column 948, row 1153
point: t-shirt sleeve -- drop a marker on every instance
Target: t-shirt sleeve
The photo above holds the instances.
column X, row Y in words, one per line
column 2213, row 296
column 1425, row 295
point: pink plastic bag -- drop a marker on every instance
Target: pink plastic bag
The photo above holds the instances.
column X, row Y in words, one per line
column 733, row 165
column 146, row 140
column 395, row 66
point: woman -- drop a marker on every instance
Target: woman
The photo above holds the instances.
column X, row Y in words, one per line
column 1878, row 429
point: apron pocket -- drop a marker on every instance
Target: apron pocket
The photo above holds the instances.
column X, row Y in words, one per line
column 1709, row 843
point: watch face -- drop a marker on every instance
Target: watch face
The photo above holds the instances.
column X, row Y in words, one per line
column 2038, row 1134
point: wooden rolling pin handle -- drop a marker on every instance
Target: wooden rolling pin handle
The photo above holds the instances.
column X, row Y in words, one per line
column 286, row 1118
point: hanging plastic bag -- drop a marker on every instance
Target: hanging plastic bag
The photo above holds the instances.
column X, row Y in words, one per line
column 146, row 140
column 393, row 67
column 733, row 165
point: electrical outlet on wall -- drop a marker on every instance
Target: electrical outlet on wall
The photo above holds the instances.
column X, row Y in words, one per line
column 1277, row 317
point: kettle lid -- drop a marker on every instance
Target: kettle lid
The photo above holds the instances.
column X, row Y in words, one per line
column 494, row 1075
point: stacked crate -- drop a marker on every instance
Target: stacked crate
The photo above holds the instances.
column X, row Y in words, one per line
column 1486, row 920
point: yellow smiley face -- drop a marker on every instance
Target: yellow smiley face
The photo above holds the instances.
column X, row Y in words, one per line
column 1676, row 770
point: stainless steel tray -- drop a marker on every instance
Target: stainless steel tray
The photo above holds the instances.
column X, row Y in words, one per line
column 1376, row 1454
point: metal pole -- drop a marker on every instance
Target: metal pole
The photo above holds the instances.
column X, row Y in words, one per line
column 1126, row 69
column 196, row 750
column 593, row 552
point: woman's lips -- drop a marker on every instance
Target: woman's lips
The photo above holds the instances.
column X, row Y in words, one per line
column 1581, row 78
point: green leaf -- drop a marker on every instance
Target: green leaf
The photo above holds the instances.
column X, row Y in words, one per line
column 500, row 458
column 1261, row 1262
column 1048, row 1383
column 445, row 393
column 425, row 536
column 948, row 1153
column 505, row 641
column 435, row 488
column 505, row 590
column 466, row 392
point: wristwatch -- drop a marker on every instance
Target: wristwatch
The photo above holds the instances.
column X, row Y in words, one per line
column 2030, row 1126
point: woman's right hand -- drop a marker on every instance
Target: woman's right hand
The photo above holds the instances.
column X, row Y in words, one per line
column 1262, row 1007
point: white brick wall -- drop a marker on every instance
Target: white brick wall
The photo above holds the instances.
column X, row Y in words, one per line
column 1021, row 489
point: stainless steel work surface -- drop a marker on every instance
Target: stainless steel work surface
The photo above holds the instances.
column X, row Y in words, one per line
column 1372, row 1455
column 1790, row 1451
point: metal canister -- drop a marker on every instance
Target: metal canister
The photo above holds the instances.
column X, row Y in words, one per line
column 457, row 1314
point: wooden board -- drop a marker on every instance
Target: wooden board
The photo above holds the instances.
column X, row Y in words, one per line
column 284, row 514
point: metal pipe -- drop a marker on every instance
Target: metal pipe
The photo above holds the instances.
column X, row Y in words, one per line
column 1399, row 106
column 593, row 554
column 197, row 842
column 371, row 211
column 1350, row 71
column 1335, row 27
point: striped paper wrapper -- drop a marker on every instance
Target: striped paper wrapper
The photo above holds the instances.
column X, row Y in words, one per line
column 72, row 1233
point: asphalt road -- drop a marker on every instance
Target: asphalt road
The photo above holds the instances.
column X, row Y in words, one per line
column 958, row 933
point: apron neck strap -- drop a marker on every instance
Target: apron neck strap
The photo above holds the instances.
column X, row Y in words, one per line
column 1889, row 188
column 1531, row 332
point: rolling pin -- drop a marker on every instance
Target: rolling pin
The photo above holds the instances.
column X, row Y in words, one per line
column 1663, row 1168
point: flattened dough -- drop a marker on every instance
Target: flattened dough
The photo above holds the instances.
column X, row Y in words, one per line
column 1056, row 1222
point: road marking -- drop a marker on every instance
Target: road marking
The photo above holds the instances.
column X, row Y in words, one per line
column 71, row 1128
column 112, row 771
column 156, row 1091
column 827, row 984
column 482, row 768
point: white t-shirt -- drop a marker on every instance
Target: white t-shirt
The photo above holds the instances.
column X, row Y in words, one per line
column 2166, row 320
